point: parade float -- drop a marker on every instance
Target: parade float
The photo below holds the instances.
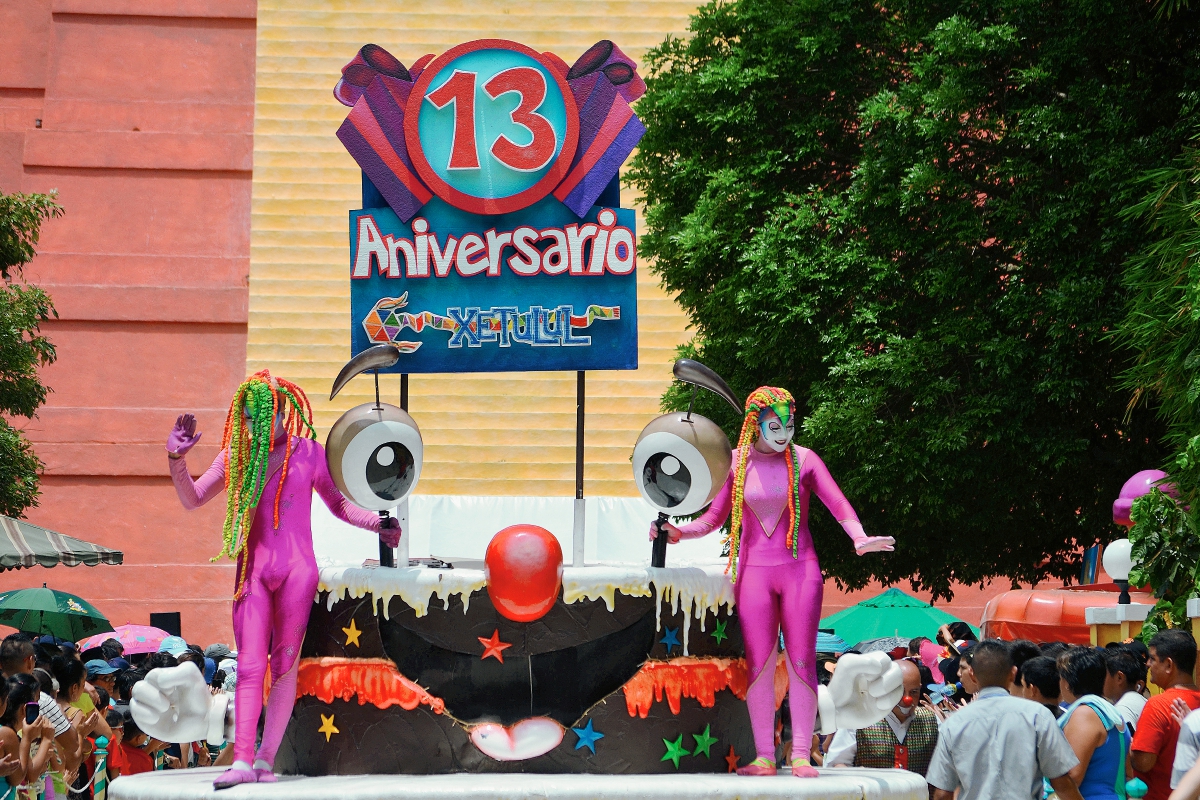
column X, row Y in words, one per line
column 491, row 238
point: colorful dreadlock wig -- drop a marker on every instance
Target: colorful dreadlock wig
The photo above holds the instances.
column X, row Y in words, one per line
column 250, row 437
column 784, row 405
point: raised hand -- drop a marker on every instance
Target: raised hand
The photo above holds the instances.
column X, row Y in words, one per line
column 183, row 436
column 673, row 533
column 389, row 532
column 172, row 704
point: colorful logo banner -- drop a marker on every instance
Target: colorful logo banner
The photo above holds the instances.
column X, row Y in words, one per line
column 491, row 253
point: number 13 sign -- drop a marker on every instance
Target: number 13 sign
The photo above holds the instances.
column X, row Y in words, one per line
column 491, row 126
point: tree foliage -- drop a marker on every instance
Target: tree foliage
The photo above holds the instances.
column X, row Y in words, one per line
column 23, row 348
column 1162, row 326
column 910, row 216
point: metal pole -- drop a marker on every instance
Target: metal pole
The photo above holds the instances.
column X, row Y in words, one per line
column 402, row 509
column 577, row 538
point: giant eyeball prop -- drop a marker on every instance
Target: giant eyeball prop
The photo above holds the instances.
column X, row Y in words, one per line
column 374, row 454
column 680, row 462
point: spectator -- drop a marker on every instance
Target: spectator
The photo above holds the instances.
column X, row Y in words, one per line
column 1038, row 679
column 101, row 674
column 18, row 691
column 1000, row 747
column 218, row 652
column 125, row 683
column 112, row 648
column 914, row 646
column 1055, row 649
column 116, row 723
column 905, row 738
column 1125, row 682
column 1172, row 662
column 1093, row 726
column 1022, row 650
column 17, row 657
column 133, row 759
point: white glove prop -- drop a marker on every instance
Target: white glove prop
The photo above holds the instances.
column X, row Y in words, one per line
column 173, row 704
column 864, row 688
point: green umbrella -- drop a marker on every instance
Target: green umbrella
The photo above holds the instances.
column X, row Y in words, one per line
column 892, row 613
column 44, row 610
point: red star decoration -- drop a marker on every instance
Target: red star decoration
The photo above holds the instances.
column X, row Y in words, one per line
column 731, row 759
column 493, row 646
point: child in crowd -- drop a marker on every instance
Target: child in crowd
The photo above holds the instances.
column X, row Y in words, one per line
column 132, row 759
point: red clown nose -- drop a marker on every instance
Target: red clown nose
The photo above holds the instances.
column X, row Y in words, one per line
column 907, row 700
column 523, row 565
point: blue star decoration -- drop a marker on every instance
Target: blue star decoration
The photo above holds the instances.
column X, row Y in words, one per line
column 587, row 737
column 670, row 639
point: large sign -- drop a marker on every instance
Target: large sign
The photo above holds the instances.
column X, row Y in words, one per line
column 494, row 241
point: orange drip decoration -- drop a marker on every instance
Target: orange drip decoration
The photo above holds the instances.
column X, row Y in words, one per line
column 371, row 680
column 697, row 678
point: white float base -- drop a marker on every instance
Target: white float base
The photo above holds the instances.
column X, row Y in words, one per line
column 834, row 784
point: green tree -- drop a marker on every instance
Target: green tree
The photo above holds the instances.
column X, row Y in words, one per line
column 910, row 216
column 23, row 348
column 1162, row 326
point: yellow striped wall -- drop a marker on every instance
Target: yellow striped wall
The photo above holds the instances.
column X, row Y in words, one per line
column 519, row 427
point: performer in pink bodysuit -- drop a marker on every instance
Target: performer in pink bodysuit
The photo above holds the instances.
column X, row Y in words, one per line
column 777, row 579
column 272, row 541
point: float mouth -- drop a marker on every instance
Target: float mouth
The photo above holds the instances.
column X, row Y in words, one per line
column 526, row 739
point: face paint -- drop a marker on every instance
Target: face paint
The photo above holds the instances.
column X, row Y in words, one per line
column 249, row 416
column 777, row 431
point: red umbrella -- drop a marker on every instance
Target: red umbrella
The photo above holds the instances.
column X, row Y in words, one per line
column 135, row 639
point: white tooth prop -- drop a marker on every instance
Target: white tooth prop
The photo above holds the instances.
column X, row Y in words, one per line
column 529, row 738
column 694, row 589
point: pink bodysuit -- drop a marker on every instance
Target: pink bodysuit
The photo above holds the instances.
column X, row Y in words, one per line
column 281, row 582
column 775, row 589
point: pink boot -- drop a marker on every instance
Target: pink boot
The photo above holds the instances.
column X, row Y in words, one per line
column 234, row 777
column 759, row 766
column 802, row 769
column 265, row 775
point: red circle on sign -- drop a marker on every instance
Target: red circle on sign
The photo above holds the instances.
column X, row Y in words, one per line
column 489, row 205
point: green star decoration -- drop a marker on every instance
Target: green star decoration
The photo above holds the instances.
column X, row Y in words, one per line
column 675, row 751
column 719, row 634
column 704, row 741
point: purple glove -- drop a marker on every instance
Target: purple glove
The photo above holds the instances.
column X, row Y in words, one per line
column 389, row 532
column 183, row 436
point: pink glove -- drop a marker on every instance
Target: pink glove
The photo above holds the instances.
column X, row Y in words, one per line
column 866, row 544
column 389, row 532
column 183, row 436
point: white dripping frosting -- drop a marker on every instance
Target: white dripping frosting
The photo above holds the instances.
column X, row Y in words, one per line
column 694, row 589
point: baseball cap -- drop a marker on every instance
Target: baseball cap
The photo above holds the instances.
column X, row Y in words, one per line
column 175, row 645
column 217, row 652
column 98, row 666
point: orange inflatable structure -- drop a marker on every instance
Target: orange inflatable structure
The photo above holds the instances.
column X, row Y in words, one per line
column 1049, row 615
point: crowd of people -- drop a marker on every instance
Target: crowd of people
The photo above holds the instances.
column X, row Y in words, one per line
column 58, row 707
column 993, row 720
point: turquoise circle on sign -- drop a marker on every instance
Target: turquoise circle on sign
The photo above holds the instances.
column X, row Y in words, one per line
column 492, row 179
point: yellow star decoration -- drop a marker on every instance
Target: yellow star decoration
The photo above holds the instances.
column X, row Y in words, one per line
column 352, row 634
column 327, row 727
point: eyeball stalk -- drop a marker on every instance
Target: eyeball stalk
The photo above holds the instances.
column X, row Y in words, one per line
column 375, row 450
column 681, row 459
